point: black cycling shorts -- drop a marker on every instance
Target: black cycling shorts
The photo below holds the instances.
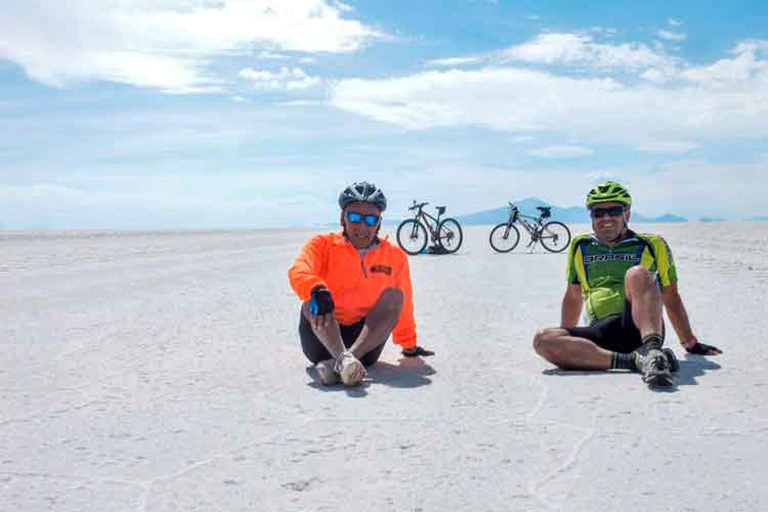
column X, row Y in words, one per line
column 617, row 333
column 315, row 350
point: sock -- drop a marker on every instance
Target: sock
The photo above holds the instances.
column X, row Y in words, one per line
column 621, row 361
column 652, row 341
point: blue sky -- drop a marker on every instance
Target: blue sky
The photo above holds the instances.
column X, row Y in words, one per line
column 256, row 113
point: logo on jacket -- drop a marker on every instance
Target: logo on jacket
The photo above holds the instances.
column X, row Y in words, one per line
column 381, row 269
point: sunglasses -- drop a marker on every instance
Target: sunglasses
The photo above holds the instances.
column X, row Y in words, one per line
column 613, row 211
column 357, row 218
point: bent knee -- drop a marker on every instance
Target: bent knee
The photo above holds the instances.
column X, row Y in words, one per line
column 639, row 275
column 545, row 341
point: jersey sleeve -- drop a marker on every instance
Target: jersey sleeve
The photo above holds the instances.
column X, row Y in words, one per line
column 665, row 264
column 305, row 273
column 404, row 332
column 570, row 271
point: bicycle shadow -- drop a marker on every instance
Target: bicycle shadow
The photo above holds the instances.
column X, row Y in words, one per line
column 410, row 372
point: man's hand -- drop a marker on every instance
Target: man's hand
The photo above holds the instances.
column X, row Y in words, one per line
column 320, row 302
column 320, row 309
column 417, row 351
column 692, row 346
column 703, row 349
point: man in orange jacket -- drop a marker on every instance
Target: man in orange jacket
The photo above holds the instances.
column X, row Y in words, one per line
column 355, row 290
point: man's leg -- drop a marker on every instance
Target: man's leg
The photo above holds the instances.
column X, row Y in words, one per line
column 327, row 332
column 378, row 325
column 379, row 322
column 655, row 364
column 569, row 352
column 644, row 296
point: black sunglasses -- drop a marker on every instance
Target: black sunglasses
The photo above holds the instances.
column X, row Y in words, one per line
column 357, row 218
column 613, row 211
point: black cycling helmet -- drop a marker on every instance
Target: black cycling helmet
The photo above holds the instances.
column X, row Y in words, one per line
column 363, row 192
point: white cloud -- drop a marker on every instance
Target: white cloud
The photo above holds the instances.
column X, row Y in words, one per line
column 521, row 139
column 742, row 68
column 671, row 36
column 685, row 106
column 710, row 189
column 454, row 61
column 285, row 79
column 666, row 146
column 568, row 49
column 166, row 45
column 673, row 22
column 563, row 151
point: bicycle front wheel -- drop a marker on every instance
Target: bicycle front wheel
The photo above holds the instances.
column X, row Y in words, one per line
column 411, row 236
column 504, row 237
column 449, row 235
column 555, row 236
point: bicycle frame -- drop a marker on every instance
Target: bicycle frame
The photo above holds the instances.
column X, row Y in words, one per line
column 424, row 218
column 534, row 229
column 547, row 232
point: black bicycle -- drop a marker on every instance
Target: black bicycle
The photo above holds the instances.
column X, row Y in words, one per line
column 554, row 236
column 413, row 234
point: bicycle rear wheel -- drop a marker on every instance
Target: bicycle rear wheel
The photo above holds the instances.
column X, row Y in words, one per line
column 411, row 236
column 555, row 236
column 504, row 237
column 449, row 235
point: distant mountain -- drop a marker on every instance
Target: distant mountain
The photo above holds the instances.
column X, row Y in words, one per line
column 571, row 214
column 667, row 217
column 711, row 219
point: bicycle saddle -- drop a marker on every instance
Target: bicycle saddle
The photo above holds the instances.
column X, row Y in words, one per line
column 440, row 210
column 546, row 211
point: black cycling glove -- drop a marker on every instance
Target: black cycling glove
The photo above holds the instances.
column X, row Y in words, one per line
column 320, row 302
column 703, row 349
column 417, row 351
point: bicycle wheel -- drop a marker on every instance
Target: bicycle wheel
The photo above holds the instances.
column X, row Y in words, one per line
column 555, row 236
column 411, row 236
column 449, row 235
column 504, row 237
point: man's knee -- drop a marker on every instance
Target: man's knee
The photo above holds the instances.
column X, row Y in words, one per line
column 391, row 299
column 546, row 341
column 639, row 277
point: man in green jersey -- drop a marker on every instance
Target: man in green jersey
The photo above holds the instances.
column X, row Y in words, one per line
column 625, row 279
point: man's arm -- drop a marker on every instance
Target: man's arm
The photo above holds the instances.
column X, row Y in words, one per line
column 677, row 314
column 673, row 303
column 571, row 308
column 304, row 274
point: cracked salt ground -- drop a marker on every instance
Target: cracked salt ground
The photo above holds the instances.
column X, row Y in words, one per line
column 162, row 372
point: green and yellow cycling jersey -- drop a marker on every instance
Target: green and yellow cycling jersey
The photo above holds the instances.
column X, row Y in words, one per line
column 600, row 269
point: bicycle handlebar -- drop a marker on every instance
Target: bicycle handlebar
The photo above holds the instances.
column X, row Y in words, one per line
column 417, row 206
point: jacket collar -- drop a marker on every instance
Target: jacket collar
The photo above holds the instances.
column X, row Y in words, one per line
column 338, row 238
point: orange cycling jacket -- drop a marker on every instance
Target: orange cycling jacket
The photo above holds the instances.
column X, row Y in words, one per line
column 355, row 282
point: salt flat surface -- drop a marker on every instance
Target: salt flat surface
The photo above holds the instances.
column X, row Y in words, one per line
column 161, row 371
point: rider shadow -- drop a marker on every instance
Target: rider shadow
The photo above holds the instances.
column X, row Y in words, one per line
column 693, row 366
column 410, row 372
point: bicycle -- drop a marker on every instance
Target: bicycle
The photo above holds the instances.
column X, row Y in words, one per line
column 412, row 233
column 554, row 235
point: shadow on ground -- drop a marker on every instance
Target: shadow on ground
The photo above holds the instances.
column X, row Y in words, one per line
column 691, row 367
column 409, row 372
column 694, row 366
